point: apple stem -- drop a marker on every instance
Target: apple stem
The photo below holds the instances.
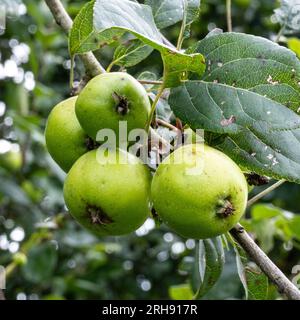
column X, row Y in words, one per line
column 265, row 192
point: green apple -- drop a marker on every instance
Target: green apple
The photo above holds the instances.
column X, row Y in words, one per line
column 199, row 192
column 110, row 98
column 11, row 160
column 108, row 193
column 65, row 139
column 19, row 258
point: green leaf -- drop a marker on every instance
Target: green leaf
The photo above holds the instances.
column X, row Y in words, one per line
column 262, row 211
column 41, row 261
column 253, row 63
column 254, row 281
column 82, row 29
column 110, row 15
column 176, row 67
column 208, row 266
column 169, row 12
column 294, row 45
column 294, row 225
column 259, row 134
column 193, row 11
column 265, row 239
column 128, row 16
column 241, row 259
column 181, row 292
column 131, row 53
column 257, row 283
column 13, row 191
column 83, row 37
column 262, row 220
column 114, row 17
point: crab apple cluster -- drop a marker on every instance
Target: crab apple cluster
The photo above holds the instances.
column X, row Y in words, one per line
column 112, row 192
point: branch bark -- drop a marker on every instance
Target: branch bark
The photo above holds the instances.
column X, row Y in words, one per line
column 91, row 64
column 284, row 285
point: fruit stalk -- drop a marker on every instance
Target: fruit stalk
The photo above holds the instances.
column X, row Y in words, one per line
column 265, row 192
column 183, row 26
column 153, row 107
column 228, row 15
column 284, row 285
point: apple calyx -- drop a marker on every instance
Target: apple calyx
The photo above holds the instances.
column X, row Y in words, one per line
column 91, row 144
column 225, row 208
column 122, row 104
column 98, row 216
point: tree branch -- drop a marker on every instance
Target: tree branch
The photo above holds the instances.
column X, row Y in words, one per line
column 284, row 285
column 150, row 82
column 92, row 65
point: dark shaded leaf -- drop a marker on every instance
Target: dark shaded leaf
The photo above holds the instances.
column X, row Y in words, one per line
column 265, row 136
column 41, row 261
column 258, row 284
column 109, row 22
column 253, row 63
column 208, row 266
column 132, row 53
column 169, row 12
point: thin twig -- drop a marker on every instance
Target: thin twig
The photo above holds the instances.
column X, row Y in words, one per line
column 153, row 108
column 182, row 29
column 77, row 89
column 280, row 33
column 228, row 15
column 167, row 125
column 92, row 65
column 150, row 82
column 284, row 285
column 108, row 69
column 265, row 192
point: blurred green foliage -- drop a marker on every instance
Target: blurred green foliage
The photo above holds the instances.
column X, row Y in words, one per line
column 47, row 255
